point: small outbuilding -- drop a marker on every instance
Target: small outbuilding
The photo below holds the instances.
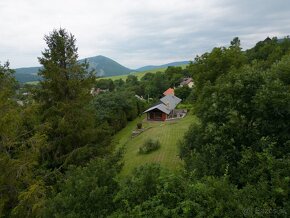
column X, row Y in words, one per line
column 164, row 109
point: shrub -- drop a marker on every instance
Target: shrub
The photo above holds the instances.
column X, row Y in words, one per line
column 149, row 146
column 139, row 125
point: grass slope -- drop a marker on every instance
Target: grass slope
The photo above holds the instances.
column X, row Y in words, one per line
column 173, row 64
column 168, row 133
column 123, row 77
column 138, row 74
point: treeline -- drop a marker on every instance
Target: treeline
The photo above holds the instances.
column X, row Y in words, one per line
column 57, row 124
column 48, row 129
column 57, row 158
column 237, row 156
column 151, row 85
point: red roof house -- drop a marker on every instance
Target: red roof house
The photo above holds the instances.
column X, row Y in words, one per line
column 169, row 91
column 164, row 109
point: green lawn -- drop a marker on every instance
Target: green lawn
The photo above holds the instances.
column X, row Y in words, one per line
column 168, row 133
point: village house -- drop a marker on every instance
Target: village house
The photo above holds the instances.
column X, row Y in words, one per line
column 96, row 91
column 164, row 109
column 187, row 82
column 169, row 91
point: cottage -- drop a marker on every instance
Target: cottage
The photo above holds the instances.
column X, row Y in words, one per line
column 164, row 109
column 187, row 82
column 169, row 91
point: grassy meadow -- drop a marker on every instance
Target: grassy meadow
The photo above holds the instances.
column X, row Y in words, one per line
column 168, row 133
column 138, row 74
column 123, row 77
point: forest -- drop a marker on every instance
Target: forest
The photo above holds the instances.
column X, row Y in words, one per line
column 58, row 159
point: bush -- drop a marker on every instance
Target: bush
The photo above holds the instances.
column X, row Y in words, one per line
column 149, row 146
column 139, row 125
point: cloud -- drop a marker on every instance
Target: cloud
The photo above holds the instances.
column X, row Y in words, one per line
column 138, row 32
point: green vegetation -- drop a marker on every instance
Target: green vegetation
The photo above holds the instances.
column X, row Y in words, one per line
column 60, row 127
column 139, row 75
column 103, row 66
column 28, row 74
column 67, row 153
column 149, row 146
column 167, row 133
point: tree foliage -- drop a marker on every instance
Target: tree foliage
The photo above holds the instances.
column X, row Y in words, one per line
column 87, row 191
column 64, row 99
column 243, row 132
column 56, row 155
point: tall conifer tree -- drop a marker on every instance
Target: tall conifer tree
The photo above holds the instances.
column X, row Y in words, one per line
column 64, row 97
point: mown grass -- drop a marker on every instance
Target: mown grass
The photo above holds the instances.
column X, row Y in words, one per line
column 168, row 133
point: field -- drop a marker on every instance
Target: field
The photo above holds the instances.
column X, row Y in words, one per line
column 138, row 74
column 32, row 83
column 168, row 133
column 123, row 77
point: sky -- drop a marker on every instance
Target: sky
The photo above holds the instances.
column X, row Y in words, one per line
column 136, row 33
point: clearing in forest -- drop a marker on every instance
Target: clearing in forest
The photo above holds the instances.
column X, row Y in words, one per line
column 169, row 133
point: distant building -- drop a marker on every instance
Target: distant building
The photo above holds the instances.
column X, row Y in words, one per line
column 169, row 91
column 187, row 82
column 164, row 109
column 96, row 91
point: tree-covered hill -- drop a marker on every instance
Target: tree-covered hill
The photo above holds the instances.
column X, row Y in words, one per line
column 105, row 66
column 102, row 65
column 27, row 74
column 172, row 64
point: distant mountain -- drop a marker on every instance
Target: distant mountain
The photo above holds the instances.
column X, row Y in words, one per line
column 27, row 74
column 104, row 67
column 152, row 67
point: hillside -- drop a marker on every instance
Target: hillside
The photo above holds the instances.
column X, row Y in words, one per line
column 104, row 67
column 139, row 74
column 168, row 133
column 152, row 67
column 27, row 74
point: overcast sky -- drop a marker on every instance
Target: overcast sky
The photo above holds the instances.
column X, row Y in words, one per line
column 138, row 32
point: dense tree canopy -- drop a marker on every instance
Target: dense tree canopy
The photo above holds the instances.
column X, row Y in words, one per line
column 56, row 152
column 64, row 100
column 244, row 131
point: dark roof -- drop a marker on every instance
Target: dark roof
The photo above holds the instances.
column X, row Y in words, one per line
column 169, row 91
column 162, row 107
column 185, row 81
column 166, row 104
column 170, row 101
